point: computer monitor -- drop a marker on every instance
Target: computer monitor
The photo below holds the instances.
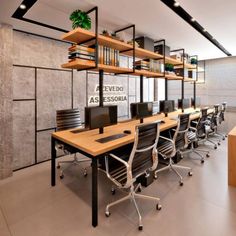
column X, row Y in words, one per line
column 184, row 103
column 99, row 117
column 166, row 106
column 197, row 103
column 141, row 110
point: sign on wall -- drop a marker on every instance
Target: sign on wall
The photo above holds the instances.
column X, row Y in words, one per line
column 111, row 94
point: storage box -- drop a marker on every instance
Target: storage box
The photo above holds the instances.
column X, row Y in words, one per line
column 145, row 43
column 160, row 49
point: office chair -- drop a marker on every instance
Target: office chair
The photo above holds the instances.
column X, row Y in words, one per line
column 197, row 134
column 211, row 127
column 139, row 159
column 68, row 119
column 220, row 118
column 168, row 148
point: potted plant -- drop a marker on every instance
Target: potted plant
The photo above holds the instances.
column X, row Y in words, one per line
column 193, row 61
column 80, row 19
column 169, row 67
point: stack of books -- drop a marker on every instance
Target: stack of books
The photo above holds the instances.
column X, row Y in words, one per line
column 108, row 56
column 142, row 65
column 155, row 66
column 81, row 52
column 149, row 65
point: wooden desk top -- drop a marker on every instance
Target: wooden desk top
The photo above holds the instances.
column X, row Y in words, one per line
column 86, row 141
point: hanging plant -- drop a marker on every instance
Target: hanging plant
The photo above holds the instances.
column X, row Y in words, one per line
column 80, row 19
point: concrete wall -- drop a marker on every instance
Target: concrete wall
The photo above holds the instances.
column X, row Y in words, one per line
column 46, row 88
column 6, row 155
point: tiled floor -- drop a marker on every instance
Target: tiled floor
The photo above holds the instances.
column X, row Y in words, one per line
column 204, row 206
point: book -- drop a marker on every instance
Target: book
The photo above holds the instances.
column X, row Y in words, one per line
column 82, row 48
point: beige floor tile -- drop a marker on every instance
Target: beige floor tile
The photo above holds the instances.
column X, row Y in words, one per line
column 4, row 231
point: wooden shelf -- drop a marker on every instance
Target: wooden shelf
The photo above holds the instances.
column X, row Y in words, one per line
column 173, row 77
column 187, row 66
column 143, row 53
column 148, row 73
column 173, row 61
column 80, row 35
column 189, row 80
column 85, row 64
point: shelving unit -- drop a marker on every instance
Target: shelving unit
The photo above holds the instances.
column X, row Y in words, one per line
column 80, row 36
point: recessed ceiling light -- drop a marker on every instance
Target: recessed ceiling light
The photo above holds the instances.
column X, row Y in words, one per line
column 22, row 6
column 176, row 4
column 192, row 19
column 204, row 30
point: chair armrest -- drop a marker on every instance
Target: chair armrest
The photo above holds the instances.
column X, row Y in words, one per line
column 192, row 128
column 194, row 122
column 128, row 168
column 167, row 139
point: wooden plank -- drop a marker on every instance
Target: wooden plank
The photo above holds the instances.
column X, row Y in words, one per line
column 148, row 73
column 232, row 157
column 86, row 141
column 143, row 53
column 173, row 77
column 173, row 61
column 84, row 64
column 80, row 35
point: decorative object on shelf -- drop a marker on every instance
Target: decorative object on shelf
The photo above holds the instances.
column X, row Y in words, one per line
column 80, row 19
column 145, row 43
column 131, row 43
column 193, row 61
column 169, row 67
column 160, row 49
column 176, row 57
column 105, row 33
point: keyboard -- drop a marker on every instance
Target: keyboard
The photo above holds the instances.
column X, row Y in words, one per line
column 111, row 138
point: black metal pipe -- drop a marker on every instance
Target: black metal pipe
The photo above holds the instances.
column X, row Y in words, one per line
column 101, row 94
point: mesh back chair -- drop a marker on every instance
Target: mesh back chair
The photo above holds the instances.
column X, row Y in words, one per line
column 68, row 119
column 221, row 118
column 168, row 148
column 211, row 126
column 134, row 162
column 197, row 134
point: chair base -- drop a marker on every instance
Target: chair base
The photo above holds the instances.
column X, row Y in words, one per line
column 197, row 151
column 75, row 161
column 132, row 195
column 173, row 167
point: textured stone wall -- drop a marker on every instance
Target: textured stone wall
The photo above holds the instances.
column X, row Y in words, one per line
column 6, row 155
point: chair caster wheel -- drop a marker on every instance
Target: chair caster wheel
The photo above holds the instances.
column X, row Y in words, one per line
column 58, row 166
column 202, row 161
column 223, row 138
column 190, row 173
column 139, row 189
column 140, row 227
column 181, row 183
column 207, row 155
column 155, row 176
column 107, row 214
column 158, row 207
column 215, row 147
column 61, row 176
column 113, row 191
column 219, row 144
column 85, row 174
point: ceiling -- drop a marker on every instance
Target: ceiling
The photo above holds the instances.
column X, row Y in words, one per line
column 151, row 17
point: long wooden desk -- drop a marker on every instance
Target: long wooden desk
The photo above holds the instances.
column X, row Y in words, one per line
column 86, row 144
column 232, row 157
